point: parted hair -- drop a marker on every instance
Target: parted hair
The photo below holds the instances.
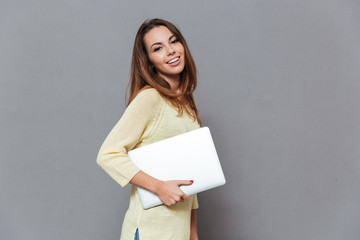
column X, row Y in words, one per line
column 144, row 75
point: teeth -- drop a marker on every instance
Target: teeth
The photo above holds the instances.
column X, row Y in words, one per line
column 174, row 60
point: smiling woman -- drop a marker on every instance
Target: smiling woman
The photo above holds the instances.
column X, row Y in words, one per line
column 166, row 53
column 145, row 74
column 161, row 105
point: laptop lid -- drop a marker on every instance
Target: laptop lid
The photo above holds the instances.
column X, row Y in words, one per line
column 188, row 156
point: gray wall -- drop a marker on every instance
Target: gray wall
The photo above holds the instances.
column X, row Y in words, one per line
column 279, row 87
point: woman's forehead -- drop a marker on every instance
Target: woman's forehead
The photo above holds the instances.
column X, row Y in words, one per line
column 157, row 35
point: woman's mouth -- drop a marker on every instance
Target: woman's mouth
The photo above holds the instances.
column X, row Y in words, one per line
column 174, row 61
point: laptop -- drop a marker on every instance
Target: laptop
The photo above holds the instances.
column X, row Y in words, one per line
column 188, row 156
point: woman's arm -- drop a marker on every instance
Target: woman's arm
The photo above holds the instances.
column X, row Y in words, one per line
column 168, row 191
column 193, row 226
column 125, row 135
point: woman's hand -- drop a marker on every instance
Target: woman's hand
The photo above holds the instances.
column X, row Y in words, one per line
column 170, row 193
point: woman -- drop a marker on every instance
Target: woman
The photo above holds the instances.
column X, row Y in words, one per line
column 161, row 105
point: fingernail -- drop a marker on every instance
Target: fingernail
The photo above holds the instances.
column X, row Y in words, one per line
column 191, row 181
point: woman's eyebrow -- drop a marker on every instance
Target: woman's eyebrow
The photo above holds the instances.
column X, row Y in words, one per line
column 159, row 43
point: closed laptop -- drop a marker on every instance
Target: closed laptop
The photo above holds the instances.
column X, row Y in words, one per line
column 188, row 156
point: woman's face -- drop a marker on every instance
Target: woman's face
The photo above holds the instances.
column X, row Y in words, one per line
column 165, row 52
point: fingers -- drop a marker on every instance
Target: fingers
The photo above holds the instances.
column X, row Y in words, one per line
column 185, row 197
column 181, row 197
column 176, row 200
column 170, row 202
column 184, row 182
column 172, row 194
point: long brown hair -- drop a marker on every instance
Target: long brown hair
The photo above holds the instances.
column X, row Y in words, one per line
column 143, row 75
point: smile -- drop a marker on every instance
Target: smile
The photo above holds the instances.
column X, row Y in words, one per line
column 173, row 60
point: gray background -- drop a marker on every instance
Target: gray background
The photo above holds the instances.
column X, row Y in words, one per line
column 278, row 86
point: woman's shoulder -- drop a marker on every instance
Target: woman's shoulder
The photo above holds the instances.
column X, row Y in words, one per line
column 149, row 92
column 147, row 97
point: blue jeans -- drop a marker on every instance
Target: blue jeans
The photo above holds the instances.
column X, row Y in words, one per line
column 137, row 234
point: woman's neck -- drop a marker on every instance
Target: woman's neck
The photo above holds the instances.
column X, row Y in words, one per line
column 174, row 82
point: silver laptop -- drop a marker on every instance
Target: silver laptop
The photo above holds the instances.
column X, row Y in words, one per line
column 188, row 156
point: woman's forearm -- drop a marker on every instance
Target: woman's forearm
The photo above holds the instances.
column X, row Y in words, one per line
column 146, row 181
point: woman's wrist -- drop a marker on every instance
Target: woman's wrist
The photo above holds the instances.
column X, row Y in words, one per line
column 157, row 186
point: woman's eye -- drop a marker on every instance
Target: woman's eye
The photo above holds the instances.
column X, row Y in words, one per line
column 174, row 41
column 157, row 49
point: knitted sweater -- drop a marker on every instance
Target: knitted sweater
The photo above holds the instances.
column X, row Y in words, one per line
column 149, row 118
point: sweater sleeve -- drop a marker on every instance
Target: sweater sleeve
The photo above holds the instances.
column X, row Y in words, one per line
column 112, row 156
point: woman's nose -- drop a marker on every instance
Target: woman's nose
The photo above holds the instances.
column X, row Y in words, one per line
column 170, row 50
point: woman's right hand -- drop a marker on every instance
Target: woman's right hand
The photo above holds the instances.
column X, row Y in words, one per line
column 170, row 193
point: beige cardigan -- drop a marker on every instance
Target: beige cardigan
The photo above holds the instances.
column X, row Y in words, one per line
column 149, row 118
